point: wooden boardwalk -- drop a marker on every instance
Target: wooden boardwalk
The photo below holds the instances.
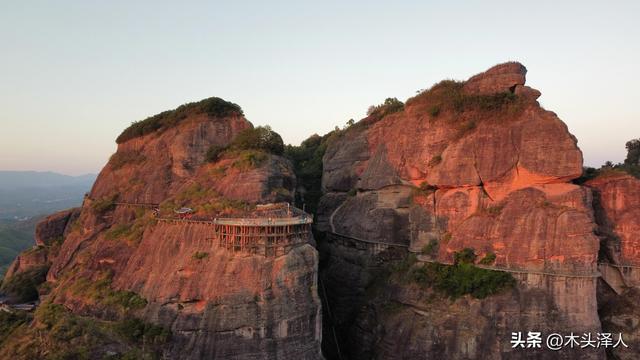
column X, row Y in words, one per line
column 426, row 259
column 375, row 247
column 269, row 237
column 143, row 205
column 368, row 246
column 613, row 275
column 251, row 222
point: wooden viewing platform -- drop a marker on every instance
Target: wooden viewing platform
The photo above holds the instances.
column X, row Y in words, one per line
column 249, row 222
column 270, row 230
column 269, row 239
column 271, row 236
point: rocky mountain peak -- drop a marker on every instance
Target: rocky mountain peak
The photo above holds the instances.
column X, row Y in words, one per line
column 503, row 77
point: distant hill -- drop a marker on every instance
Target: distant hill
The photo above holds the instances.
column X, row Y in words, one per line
column 15, row 236
column 25, row 194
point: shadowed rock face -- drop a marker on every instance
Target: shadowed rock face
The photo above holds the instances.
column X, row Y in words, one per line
column 617, row 206
column 475, row 165
column 55, row 226
column 217, row 304
column 618, row 213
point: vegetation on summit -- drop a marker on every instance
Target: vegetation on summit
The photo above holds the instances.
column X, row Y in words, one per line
column 449, row 95
column 631, row 165
column 213, row 106
column 250, row 145
column 389, row 106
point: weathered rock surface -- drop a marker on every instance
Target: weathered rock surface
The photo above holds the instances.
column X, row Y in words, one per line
column 503, row 77
column 55, row 226
column 217, row 304
column 503, row 162
column 618, row 208
column 148, row 169
column 26, row 261
column 474, row 165
column 413, row 324
column 49, row 234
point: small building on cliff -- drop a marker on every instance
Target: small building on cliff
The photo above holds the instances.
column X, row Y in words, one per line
column 271, row 230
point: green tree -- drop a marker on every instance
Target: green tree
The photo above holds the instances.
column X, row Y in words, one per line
column 389, row 106
column 633, row 152
column 259, row 138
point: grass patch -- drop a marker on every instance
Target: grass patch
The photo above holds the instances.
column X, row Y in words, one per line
column 249, row 159
column 389, row 106
column 404, row 265
column 122, row 158
column 131, row 232
column 205, row 201
column 222, row 205
column 427, row 188
column 104, row 205
column 449, row 95
column 59, row 334
column 261, row 138
column 118, row 231
column 11, row 321
column 140, row 332
column 214, row 152
column 99, row 290
column 199, row 255
column 488, row 259
column 494, row 210
column 464, row 128
column 462, row 278
column 437, row 159
column 431, row 248
column 434, row 110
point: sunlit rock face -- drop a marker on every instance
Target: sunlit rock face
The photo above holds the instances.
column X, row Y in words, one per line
column 476, row 164
column 216, row 303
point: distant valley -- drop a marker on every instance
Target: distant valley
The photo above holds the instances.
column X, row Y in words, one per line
column 25, row 194
column 25, row 197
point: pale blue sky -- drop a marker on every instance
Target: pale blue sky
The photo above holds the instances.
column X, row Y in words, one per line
column 73, row 74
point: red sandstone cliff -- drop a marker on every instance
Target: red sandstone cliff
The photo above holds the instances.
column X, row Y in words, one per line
column 217, row 304
column 617, row 207
column 476, row 164
column 618, row 203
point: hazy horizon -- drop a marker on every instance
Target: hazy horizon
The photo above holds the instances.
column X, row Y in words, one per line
column 76, row 74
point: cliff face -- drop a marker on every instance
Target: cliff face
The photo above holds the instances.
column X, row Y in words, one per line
column 160, row 164
column 618, row 212
column 119, row 261
column 49, row 234
column 476, row 164
column 617, row 206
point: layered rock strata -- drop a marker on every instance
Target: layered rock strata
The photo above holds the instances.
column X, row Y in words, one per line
column 476, row 164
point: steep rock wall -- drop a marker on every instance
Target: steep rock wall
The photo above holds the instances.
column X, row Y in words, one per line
column 475, row 165
column 217, row 304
